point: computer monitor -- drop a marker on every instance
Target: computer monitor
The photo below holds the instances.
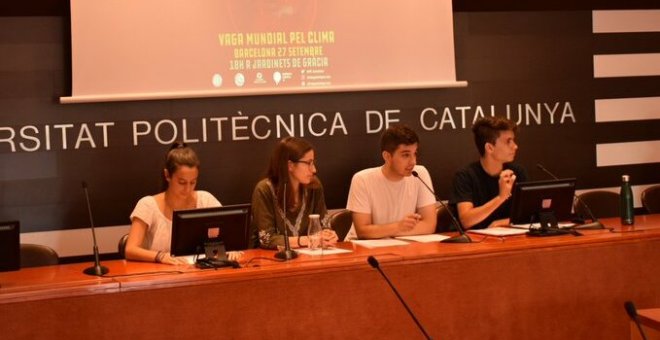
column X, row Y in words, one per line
column 195, row 228
column 544, row 202
column 10, row 246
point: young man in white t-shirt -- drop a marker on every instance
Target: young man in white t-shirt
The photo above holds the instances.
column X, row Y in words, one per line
column 388, row 201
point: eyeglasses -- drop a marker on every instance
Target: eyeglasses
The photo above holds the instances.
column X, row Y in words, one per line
column 309, row 163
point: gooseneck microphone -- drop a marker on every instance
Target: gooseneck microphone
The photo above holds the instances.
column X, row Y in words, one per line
column 595, row 224
column 374, row 263
column 463, row 238
column 632, row 313
column 286, row 253
column 97, row 269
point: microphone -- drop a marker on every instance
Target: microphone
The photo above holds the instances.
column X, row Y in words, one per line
column 374, row 263
column 97, row 269
column 632, row 313
column 463, row 238
column 595, row 224
column 285, row 254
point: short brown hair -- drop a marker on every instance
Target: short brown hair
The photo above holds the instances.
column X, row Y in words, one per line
column 396, row 135
column 488, row 129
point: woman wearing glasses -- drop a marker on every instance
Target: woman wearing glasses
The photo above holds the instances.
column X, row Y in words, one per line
column 290, row 176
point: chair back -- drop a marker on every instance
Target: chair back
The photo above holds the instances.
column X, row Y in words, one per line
column 341, row 222
column 444, row 223
column 121, row 246
column 602, row 204
column 37, row 255
column 651, row 199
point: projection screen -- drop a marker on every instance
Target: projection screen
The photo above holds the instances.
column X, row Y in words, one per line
column 157, row 49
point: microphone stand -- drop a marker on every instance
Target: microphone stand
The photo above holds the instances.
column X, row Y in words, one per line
column 374, row 263
column 463, row 237
column 632, row 313
column 97, row 269
column 285, row 254
column 595, row 223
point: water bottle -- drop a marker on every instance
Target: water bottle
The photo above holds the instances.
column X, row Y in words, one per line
column 325, row 224
column 314, row 232
column 627, row 209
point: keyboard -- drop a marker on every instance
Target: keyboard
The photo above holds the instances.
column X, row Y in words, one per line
column 538, row 225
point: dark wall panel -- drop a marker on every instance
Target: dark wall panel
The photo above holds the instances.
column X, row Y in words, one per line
column 534, row 65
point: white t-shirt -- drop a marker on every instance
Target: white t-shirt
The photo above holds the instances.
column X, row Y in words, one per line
column 159, row 231
column 387, row 201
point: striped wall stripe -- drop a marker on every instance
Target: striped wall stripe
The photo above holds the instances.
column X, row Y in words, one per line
column 626, row 65
column 624, row 43
column 620, row 21
column 638, row 26
column 627, row 109
column 627, row 153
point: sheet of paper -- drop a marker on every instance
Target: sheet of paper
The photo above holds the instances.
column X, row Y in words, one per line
column 498, row 231
column 327, row 251
column 429, row 238
column 190, row 259
column 387, row 242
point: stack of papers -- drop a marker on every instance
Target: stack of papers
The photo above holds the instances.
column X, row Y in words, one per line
column 319, row 251
column 387, row 242
column 400, row 240
column 499, row 231
column 430, row 238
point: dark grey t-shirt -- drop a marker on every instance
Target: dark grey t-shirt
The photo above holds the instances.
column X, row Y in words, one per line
column 474, row 184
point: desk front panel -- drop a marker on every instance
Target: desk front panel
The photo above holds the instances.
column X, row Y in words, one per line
column 519, row 287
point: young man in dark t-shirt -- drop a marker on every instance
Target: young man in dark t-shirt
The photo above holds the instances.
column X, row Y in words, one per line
column 481, row 190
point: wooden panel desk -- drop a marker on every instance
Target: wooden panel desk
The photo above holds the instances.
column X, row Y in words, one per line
column 649, row 319
column 562, row 287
